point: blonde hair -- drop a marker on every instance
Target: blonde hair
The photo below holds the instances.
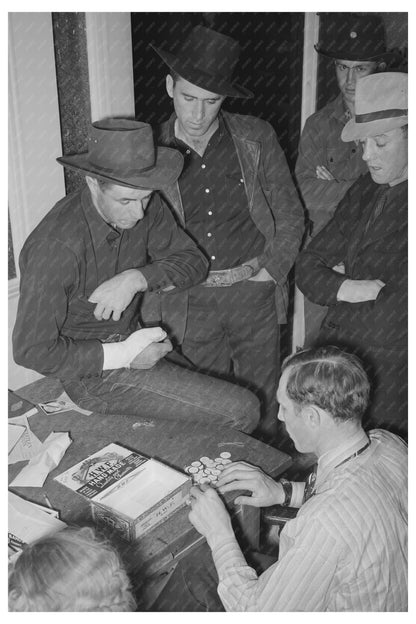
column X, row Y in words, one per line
column 73, row 570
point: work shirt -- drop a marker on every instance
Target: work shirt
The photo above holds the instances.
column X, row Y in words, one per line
column 215, row 201
column 321, row 144
column 71, row 252
column 347, row 548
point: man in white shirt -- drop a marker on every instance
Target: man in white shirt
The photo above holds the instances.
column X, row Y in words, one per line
column 347, row 548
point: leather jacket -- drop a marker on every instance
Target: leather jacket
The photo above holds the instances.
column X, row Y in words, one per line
column 274, row 207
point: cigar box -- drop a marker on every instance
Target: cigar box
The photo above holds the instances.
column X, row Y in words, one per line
column 127, row 490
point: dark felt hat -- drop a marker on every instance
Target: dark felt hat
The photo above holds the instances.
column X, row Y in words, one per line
column 122, row 151
column 207, row 59
column 353, row 37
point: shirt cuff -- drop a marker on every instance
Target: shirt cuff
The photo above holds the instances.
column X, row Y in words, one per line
column 112, row 356
column 155, row 279
column 227, row 554
column 298, row 490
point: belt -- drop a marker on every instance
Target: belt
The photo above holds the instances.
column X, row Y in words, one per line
column 228, row 277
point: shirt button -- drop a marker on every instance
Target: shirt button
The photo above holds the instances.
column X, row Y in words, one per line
column 210, row 212
column 203, row 166
column 241, row 180
column 188, row 151
column 209, row 234
column 212, row 257
column 206, row 190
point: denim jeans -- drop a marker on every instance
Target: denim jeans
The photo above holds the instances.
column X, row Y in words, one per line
column 233, row 332
column 167, row 391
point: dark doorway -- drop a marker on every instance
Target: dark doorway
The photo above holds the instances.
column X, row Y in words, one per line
column 270, row 65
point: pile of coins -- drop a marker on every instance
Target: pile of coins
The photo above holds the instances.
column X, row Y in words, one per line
column 207, row 470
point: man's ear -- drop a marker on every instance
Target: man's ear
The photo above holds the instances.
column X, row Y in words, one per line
column 169, row 85
column 312, row 415
column 92, row 185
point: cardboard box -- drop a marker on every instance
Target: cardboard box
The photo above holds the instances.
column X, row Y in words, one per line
column 128, row 491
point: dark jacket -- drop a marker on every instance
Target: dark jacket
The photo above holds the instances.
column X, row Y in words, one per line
column 66, row 257
column 378, row 253
column 273, row 204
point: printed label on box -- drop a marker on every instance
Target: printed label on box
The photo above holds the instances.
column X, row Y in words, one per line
column 100, row 471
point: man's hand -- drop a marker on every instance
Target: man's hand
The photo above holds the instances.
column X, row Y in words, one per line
column 262, row 276
column 151, row 355
column 114, row 295
column 357, row 291
column 243, row 476
column 209, row 515
column 322, row 173
column 123, row 354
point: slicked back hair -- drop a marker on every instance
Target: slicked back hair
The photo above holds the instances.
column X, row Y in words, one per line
column 329, row 378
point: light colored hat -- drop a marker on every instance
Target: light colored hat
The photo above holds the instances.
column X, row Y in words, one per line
column 380, row 105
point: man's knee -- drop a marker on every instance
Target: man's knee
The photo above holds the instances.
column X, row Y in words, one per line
column 247, row 411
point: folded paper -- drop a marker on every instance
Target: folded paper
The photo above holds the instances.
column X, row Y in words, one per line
column 49, row 456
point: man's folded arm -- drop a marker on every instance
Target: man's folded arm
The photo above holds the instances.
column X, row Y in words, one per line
column 315, row 276
column 37, row 340
column 175, row 260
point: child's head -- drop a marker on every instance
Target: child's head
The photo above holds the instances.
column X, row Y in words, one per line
column 73, row 570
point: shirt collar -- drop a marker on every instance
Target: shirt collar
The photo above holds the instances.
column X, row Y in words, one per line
column 100, row 230
column 331, row 459
column 339, row 112
column 173, row 140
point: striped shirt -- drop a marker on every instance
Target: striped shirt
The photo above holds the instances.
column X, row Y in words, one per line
column 347, row 548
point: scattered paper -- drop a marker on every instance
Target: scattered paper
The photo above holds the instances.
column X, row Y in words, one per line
column 15, row 433
column 48, row 457
column 28, row 445
column 29, row 522
column 62, row 404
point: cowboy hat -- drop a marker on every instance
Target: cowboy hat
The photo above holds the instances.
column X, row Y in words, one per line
column 122, row 151
column 207, row 59
column 352, row 37
column 380, row 106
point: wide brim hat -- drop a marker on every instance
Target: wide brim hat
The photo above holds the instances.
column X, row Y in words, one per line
column 352, row 37
column 380, row 106
column 122, row 151
column 207, row 59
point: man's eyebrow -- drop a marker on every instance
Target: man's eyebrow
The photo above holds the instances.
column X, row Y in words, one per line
column 126, row 197
column 214, row 97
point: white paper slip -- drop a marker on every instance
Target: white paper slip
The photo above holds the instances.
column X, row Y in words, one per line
column 27, row 445
column 48, row 457
column 15, row 433
column 27, row 522
column 60, row 405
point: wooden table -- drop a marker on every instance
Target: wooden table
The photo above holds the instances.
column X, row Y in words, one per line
column 173, row 442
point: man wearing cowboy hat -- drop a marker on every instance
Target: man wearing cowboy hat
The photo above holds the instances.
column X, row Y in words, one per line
column 84, row 270
column 326, row 166
column 368, row 235
column 237, row 201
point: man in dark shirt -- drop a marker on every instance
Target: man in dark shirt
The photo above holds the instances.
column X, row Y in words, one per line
column 237, row 200
column 357, row 265
column 327, row 166
column 84, row 270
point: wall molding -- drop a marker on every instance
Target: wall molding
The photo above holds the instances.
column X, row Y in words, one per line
column 110, row 64
column 309, row 86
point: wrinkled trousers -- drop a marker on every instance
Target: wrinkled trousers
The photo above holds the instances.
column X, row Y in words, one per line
column 167, row 391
